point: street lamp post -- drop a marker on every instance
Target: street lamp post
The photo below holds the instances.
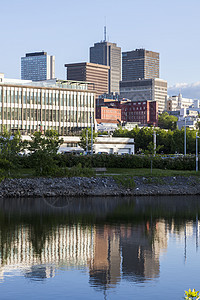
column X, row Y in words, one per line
column 154, row 143
column 87, row 141
column 185, row 138
column 197, row 158
column 91, row 135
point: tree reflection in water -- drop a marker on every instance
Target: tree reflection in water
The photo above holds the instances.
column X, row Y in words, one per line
column 114, row 238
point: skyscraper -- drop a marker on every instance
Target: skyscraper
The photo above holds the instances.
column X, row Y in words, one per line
column 94, row 73
column 106, row 53
column 37, row 66
column 140, row 64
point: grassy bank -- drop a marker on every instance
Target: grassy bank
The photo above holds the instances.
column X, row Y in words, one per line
column 27, row 172
column 147, row 172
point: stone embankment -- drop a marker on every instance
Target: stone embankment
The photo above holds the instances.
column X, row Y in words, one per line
column 98, row 186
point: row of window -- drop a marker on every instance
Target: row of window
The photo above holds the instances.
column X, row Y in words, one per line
column 134, row 108
column 30, row 128
column 132, row 113
column 47, row 98
column 42, row 115
column 72, row 145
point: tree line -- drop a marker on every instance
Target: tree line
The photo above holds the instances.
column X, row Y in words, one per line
column 170, row 141
column 41, row 151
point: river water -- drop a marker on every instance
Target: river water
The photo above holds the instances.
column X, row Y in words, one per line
column 99, row 248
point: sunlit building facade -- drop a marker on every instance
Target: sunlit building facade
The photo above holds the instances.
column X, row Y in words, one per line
column 66, row 106
column 37, row 66
column 108, row 54
column 144, row 90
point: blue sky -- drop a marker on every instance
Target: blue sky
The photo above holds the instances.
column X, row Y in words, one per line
column 67, row 29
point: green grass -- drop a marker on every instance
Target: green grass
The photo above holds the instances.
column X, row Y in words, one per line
column 22, row 173
column 126, row 181
column 28, row 173
column 147, row 172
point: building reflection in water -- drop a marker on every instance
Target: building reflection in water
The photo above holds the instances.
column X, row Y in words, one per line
column 64, row 245
column 128, row 251
column 110, row 251
column 105, row 267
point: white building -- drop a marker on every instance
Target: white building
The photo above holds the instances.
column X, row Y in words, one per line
column 64, row 105
column 114, row 145
column 103, row 144
column 188, row 118
column 178, row 102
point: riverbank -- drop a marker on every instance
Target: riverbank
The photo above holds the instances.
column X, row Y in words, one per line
column 98, row 186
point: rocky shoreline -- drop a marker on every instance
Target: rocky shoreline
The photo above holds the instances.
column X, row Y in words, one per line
column 98, row 186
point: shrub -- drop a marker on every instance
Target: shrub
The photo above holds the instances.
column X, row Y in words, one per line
column 78, row 171
column 125, row 181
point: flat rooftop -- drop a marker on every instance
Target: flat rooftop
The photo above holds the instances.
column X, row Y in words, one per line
column 51, row 83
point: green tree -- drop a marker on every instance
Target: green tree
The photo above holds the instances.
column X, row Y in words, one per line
column 165, row 121
column 86, row 139
column 121, row 132
column 10, row 147
column 190, row 140
column 43, row 149
column 165, row 138
column 150, row 149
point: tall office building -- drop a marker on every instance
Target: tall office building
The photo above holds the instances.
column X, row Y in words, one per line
column 140, row 64
column 106, row 53
column 37, row 66
column 146, row 89
column 94, row 73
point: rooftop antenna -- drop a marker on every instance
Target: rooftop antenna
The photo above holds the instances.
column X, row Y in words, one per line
column 105, row 30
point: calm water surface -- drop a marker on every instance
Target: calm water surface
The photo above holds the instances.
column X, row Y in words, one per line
column 99, row 248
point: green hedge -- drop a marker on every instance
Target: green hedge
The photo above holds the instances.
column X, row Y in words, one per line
column 114, row 161
column 126, row 161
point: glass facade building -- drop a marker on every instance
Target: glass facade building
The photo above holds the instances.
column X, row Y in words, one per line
column 37, row 66
column 65, row 106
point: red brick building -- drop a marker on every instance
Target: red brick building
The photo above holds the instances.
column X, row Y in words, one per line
column 144, row 112
column 107, row 113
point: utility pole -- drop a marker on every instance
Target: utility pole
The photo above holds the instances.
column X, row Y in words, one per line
column 185, row 138
column 87, row 141
column 154, row 143
column 197, row 157
column 91, row 135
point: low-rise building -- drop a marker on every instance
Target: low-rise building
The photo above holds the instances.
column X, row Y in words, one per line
column 178, row 102
column 64, row 105
column 108, row 126
column 103, row 144
column 186, row 117
column 107, row 113
column 143, row 112
column 114, row 145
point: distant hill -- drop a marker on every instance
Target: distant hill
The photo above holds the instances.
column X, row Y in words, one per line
column 187, row 90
